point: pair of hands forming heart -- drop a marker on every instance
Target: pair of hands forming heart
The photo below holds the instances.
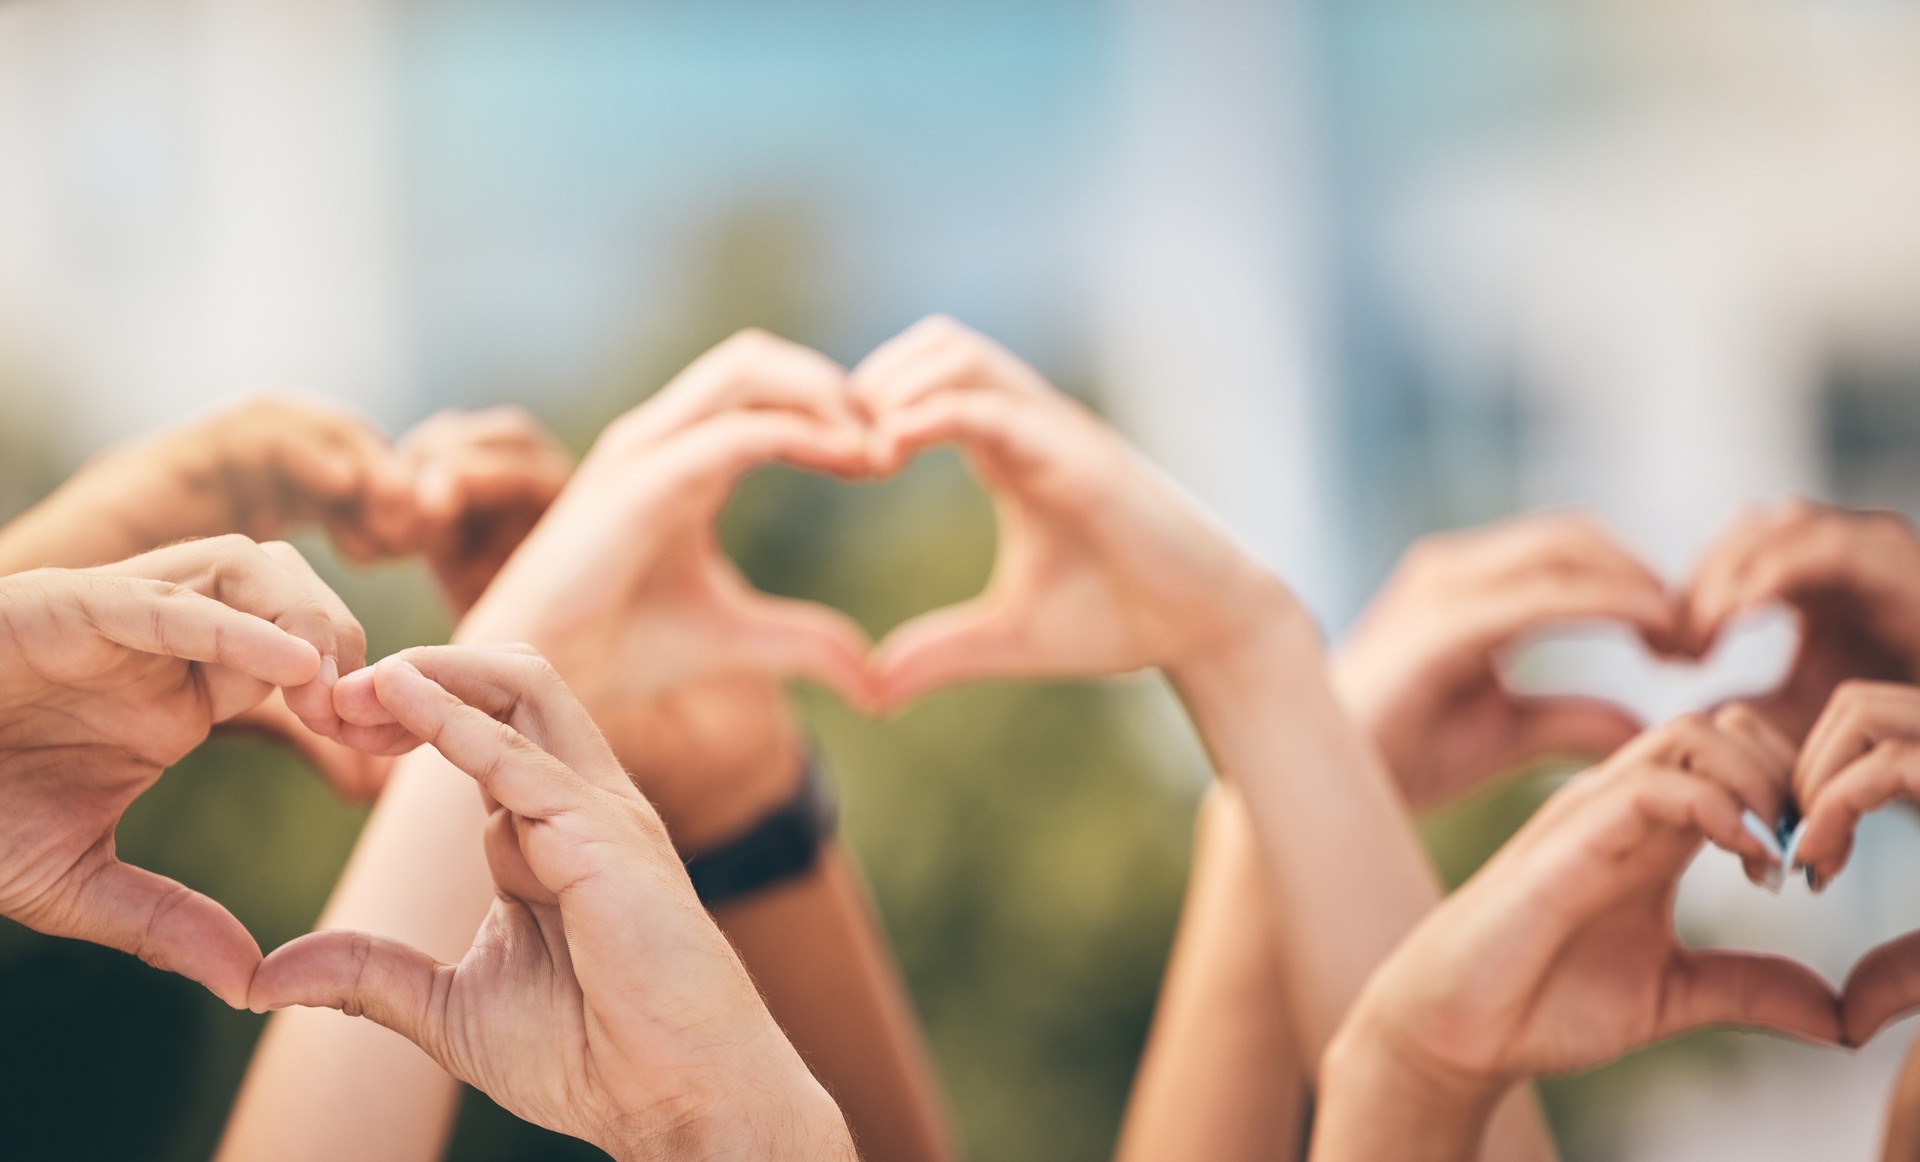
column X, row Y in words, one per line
column 1576, row 911
column 1422, row 670
column 1103, row 567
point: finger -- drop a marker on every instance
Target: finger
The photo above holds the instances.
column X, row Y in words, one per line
column 490, row 478
column 800, row 638
column 1883, row 986
column 935, row 355
column 238, row 572
column 1746, row 725
column 1888, row 771
column 1857, row 716
column 1586, row 728
column 354, row 776
column 165, row 924
column 724, row 449
column 363, row 975
column 1693, row 744
column 1697, row 807
column 1750, row 990
column 1709, row 600
column 752, row 369
column 159, row 617
column 339, row 467
column 1005, row 431
column 970, row 642
column 507, row 720
column 1548, row 595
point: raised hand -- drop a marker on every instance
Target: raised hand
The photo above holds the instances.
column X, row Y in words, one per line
column 624, row 586
column 1852, row 577
column 482, row 480
column 256, row 469
column 110, row 675
column 1103, row 565
column 598, row 999
column 1863, row 753
column 1421, row 671
column 1561, row 953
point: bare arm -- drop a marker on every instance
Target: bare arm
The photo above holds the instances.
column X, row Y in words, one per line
column 419, row 875
column 816, row 950
column 1220, row 1078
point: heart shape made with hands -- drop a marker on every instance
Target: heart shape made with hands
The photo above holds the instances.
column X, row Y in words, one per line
column 896, row 548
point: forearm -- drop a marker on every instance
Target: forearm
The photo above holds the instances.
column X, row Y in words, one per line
column 1345, row 876
column 1344, row 867
column 418, row 874
column 817, row 953
column 1375, row 1103
column 1220, row 1078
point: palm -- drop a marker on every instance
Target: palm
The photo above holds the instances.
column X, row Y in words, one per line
column 1835, row 645
column 1605, row 989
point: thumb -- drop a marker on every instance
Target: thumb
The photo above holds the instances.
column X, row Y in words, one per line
column 1883, row 986
column 963, row 643
column 1589, row 728
column 1751, row 990
column 362, row 975
column 167, row 925
column 787, row 636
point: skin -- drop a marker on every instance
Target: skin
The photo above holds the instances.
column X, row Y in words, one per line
column 598, row 999
column 1849, row 576
column 1421, row 670
column 110, row 675
column 623, row 586
column 1105, row 567
column 1561, row 955
column 1420, row 676
column 462, row 488
column 1863, row 753
column 481, row 481
column 257, row 469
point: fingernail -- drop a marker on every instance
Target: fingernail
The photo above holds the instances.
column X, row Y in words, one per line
column 1815, row 882
column 1760, row 831
column 1775, row 879
column 329, row 672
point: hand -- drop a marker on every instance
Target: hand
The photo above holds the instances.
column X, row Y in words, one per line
column 255, row 469
column 482, row 481
column 110, row 675
column 1862, row 754
column 1103, row 565
column 1561, row 953
column 598, row 1000
column 357, row 776
column 624, row 586
column 1421, row 671
column 1854, row 580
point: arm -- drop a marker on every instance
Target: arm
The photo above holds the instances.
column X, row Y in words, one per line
column 817, row 952
column 255, row 469
column 622, row 585
column 418, row 874
column 1104, row 567
column 1220, row 1078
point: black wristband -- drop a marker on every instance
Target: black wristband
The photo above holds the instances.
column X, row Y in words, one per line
column 783, row 845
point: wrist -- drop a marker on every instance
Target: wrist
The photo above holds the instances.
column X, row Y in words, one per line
column 784, row 1114
column 1277, row 637
column 1380, row 1100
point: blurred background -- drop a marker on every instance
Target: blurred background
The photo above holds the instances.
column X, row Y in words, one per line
column 1353, row 270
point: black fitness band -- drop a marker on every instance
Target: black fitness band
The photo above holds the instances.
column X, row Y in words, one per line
column 783, row 845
